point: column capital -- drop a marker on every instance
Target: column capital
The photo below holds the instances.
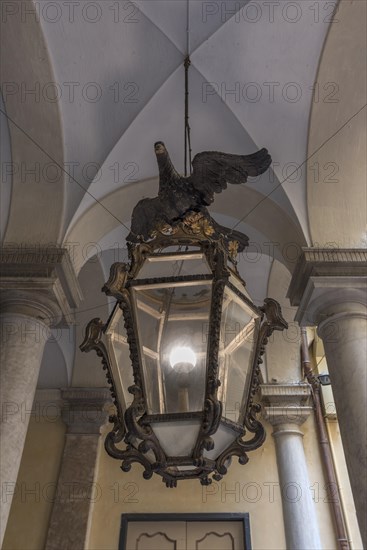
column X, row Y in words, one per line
column 327, row 282
column 39, row 282
column 286, row 404
column 85, row 410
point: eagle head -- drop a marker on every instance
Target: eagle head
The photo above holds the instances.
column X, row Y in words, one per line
column 159, row 148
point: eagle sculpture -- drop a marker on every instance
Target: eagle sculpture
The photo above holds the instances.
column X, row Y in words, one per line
column 178, row 195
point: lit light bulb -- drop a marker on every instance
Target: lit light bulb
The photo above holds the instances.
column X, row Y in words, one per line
column 183, row 355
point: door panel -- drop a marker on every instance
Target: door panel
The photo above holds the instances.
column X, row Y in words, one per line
column 218, row 535
column 156, row 535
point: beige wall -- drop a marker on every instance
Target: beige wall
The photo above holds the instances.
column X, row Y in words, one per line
column 130, row 493
column 253, row 488
column 36, row 484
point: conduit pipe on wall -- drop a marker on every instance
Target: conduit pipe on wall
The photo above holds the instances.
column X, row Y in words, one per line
column 332, row 486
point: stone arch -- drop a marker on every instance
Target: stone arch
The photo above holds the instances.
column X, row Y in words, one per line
column 264, row 216
column 336, row 175
column 36, row 207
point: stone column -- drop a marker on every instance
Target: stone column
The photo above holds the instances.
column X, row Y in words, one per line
column 286, row 408
column 330, row 288
column 85, row 411
column 38, row 290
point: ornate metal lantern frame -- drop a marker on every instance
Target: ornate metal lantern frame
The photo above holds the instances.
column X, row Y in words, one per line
column 132, row 424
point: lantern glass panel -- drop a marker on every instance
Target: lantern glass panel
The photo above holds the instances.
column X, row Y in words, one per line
column 238, row 336
column 223, row 438
column 172, row 320
column 168, row 264
column 118, row 349
column 177, row 438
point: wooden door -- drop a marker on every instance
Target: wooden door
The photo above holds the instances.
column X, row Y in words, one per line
column 180, row 532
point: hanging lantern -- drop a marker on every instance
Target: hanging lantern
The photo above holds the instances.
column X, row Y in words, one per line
column 182, row 352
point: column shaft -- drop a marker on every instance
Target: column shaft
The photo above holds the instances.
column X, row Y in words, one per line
column 22, row 343
column 39, row 289
column 345, row 341
column 300, row 521
column 286, row 408
column 330, row 288
column 85, row 412
column 75, row 493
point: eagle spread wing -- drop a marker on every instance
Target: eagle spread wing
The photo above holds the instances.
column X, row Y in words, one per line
column 213, row 170
column 178, row 195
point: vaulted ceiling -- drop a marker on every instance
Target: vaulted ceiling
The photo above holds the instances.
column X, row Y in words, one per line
column 109, row 82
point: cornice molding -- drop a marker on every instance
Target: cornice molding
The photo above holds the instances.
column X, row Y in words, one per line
column 285, row 392
column 85, row 395
column 325, row 262
column 85, row 410
column 328, row 281
column 34, row 278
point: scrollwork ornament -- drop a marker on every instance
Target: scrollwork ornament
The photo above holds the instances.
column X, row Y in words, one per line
column 272, row 319
column 119, row 273
column 132, row 338
column 137, row 430
column 130, row 456
column 137, row 256
column 115, row 436
column 92, row 341
column 240, row 447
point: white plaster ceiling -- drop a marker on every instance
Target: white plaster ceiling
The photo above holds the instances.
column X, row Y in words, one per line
column 237, row 48
column 142, row 47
